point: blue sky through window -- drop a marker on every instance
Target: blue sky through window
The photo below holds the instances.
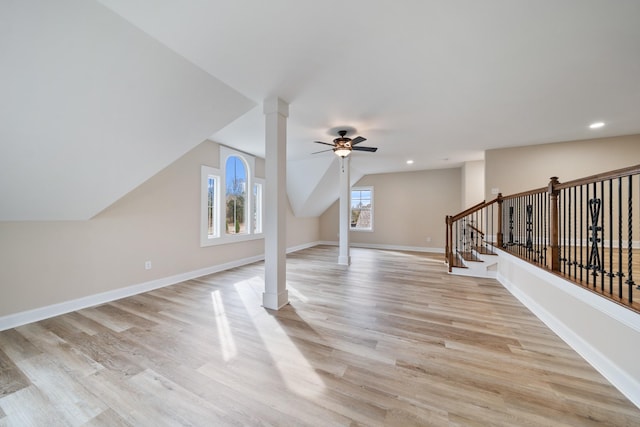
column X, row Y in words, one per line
column 235, row 170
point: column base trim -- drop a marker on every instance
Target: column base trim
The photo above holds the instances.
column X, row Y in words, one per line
column 275, row 301
column 344, row 260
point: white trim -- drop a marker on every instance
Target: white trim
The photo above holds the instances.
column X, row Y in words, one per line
column 610, row 308
column 41, row 313
column 232, row 238
column 624, row 382
column 302, row 246
column 386, row 247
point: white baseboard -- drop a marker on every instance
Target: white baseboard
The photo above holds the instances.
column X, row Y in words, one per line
column 30, row 316
column 386, row 247
column 627, row 385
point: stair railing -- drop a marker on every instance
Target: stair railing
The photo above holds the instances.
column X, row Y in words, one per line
column 474, row 229
column 582, row 230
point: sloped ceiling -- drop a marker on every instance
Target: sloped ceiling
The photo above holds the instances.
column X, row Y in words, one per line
column 434, row 81
column 91, row 107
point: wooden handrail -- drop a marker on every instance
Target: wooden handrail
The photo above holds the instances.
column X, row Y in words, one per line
column 468, row 211
column 526, row 193
column 618, row 173
column 480, row 232
column 474, row 209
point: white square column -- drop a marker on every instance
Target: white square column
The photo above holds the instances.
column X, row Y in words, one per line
column 345, row 211
column 275, row 294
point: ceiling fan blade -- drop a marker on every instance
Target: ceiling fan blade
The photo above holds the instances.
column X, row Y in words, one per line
column 369, row 149
column 325, row 143
column 322, row 151
column 357, row 140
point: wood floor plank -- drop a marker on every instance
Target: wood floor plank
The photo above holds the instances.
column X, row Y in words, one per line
column 12, row 378
column 392, row 340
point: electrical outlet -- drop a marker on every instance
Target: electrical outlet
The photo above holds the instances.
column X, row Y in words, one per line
column 495, row 191
column 428, row 239
column 147, row 265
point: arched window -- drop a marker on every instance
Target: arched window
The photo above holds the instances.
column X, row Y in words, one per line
column 236, row 195
column 231, row 199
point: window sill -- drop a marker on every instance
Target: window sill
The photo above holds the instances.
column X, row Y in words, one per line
column 225, row 240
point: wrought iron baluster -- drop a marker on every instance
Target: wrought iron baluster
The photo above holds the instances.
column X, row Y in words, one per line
column 630, row 242
column 510, row 225
column 568, row 235
column 594, row 253
column 587, row 232
column 519, row 217
column 619, row 273
column 603, row 270
column 539, row 227
column 529, row 227
column 581, row 265
column 575, row 232
column 610, row 274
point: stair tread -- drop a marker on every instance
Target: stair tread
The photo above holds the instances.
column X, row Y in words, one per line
column 469, row 256
column 457, row 262
column 483, row 250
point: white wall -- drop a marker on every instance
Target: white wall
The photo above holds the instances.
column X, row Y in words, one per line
column 408, row 207
column 513, row 170
column 45, row 263
column 472, row 183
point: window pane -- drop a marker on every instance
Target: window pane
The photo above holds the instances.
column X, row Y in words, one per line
column 361, row 213
column 236, row 195
column 211, row 208
column 257, row 208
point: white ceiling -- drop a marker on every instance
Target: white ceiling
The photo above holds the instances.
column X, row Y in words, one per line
column 438, row 82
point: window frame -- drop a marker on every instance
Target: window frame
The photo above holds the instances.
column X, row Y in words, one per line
column 221, row 237
column 361, row 188
column 260, row 212
column 205, row 173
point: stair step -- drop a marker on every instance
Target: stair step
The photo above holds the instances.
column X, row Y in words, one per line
column 483, row 250
column 458, row 262
column 469, row 256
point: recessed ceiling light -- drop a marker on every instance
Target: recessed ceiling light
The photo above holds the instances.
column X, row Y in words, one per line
column 409, row 162
column 596, row 125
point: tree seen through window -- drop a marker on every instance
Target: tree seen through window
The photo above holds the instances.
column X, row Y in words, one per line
column 361, row 209
column 236, row 195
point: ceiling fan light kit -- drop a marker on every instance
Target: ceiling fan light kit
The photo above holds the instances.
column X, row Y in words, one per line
column 343, row 146
column 342, row 151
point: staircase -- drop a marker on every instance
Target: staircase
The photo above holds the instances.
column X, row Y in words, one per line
column 478, row 261
column 468, row 248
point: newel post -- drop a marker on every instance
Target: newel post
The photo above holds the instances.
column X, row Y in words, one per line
column 553, row 261
column 447, row 249
column 499, row 236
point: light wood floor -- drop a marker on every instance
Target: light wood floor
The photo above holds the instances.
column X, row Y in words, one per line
column 390, row 340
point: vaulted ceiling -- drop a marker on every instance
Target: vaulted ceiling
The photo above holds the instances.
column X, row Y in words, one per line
column 96, row 97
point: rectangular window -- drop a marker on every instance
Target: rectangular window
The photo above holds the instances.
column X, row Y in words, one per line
column 257, row 208
column 362, row 208
column 210, row 196
column 236, row 195
column 212, row 226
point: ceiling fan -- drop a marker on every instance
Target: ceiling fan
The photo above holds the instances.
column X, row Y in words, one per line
column 343, row 145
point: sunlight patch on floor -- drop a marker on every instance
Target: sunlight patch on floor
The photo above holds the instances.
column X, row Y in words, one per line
column 296, row 293
column 294, row 368
column 228, row 345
